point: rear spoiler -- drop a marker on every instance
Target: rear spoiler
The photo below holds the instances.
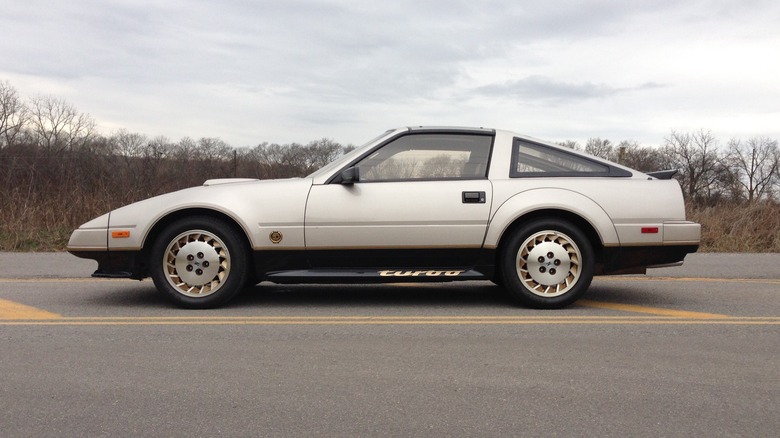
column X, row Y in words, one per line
column 663, row 174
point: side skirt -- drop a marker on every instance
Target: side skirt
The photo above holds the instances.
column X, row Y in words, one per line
column 374, row 266
column 374, row 276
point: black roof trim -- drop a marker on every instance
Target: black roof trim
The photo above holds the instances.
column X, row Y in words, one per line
column 450, row 130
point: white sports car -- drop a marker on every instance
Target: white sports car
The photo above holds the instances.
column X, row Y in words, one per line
column 414, row 204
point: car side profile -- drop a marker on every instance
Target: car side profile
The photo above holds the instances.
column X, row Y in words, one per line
column 414, row 204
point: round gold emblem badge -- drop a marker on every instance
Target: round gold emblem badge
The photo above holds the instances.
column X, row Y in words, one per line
column 275, row 237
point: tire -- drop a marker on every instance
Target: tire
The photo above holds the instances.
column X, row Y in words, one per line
column 547, row 264
column 199, row 262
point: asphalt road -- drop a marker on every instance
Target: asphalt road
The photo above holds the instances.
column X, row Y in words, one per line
column 690, row 351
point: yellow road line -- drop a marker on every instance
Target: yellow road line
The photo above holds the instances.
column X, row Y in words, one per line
column 691, row 279
column 58, row 280
column 10, row 310
column 650, row 310
column 12, row 313
column 261, row 321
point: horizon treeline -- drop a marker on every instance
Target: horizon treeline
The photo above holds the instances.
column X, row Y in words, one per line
column 57, row 171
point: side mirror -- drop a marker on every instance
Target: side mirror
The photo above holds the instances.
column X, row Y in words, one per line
column 348, row 176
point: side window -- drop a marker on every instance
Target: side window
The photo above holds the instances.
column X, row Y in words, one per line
column 536, row 160
column 427, row 157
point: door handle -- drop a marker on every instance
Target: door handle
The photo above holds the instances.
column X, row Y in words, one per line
column 473, row 197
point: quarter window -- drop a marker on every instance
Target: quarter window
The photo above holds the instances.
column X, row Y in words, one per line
column 532, row 159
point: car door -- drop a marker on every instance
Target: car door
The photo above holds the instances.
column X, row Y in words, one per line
column 419, row 200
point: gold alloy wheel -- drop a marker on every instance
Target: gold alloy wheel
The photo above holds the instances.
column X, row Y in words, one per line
column 549, row 263
column 196, row 263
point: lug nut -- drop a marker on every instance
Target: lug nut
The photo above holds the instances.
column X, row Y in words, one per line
column 550, row 255
column 541, row 259
column 542, row 269
column 205, row 264
column 200, row 255
column 189, row 268
column 199, row 272
column 190, row 257
column 552, row 271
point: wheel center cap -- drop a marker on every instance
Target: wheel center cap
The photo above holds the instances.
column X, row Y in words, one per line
column 548, row 263
column 197, row 263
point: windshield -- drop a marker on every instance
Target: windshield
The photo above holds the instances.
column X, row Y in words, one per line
column 349, row 155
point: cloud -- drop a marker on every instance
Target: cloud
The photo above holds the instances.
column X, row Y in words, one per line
column 251, row 71
column 546, row 90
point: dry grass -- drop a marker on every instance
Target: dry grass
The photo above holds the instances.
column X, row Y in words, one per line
column 36, row 223
column 741, row 227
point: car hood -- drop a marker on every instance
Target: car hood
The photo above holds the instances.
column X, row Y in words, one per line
column 219, row 194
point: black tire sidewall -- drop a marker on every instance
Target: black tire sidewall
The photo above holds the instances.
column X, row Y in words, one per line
column 236, row 248
column 511, row 280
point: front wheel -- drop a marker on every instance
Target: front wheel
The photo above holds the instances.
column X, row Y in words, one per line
column 547, row 264
column 199, row 262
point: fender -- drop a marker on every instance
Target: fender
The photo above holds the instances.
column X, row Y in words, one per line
column 548, row 198
column 269, row 212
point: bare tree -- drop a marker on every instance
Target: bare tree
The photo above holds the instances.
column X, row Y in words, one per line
column 13, row 114
column 776, row 185
column 642, row 158
column 599, row 148
column 443, row 166
column 696, row 155
column 212, row 148
column 727, row 186
column 58, row 126
column 128, row 144
column 322, row 152
column 277, row 161
column 571, row 144
column 755, row 162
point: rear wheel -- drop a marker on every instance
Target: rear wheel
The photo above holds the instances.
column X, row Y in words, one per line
column 199, row 262
column 547, row 264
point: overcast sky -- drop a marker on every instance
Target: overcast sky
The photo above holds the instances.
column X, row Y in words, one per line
column 249, row 71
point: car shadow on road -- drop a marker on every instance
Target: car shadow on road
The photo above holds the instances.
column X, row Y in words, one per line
column 125, row 293
column 143, row 295
column 483, row 294
column 476, row 295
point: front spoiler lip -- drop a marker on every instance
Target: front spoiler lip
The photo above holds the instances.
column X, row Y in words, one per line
column 115, row 264
column 118, row 274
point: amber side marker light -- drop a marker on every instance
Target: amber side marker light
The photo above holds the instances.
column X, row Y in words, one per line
column 123, row 234
column 645, row 230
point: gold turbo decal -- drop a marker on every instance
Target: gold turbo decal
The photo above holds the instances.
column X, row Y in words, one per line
column 420, row 273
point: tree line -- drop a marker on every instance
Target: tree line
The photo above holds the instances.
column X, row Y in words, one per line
column 57, row 170
column 743, row 171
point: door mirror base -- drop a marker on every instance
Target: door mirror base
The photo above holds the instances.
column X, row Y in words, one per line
column 348, row 176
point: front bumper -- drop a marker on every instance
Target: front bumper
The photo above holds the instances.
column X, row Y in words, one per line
column 92, row 236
